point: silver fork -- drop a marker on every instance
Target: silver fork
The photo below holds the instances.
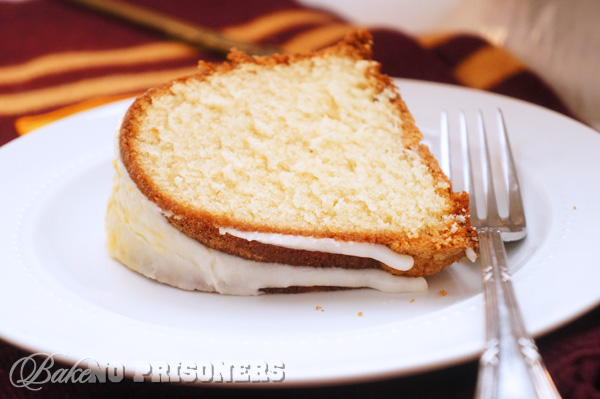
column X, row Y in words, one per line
column 510, row 365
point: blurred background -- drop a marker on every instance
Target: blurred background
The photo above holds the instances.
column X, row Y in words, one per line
column 558, row 39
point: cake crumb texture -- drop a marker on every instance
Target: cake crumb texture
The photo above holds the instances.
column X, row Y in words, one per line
column 319, row 145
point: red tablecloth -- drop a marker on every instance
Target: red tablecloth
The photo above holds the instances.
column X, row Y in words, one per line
column 57, row 59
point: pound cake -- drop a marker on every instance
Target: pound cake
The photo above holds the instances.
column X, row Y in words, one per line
column 282, row 173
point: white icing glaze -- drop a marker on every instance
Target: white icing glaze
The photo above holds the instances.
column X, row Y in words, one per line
column 470, row 254
column 329, row 245
column 140, row 237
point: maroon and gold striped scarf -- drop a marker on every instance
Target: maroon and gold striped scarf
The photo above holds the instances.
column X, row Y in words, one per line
column 58, row 58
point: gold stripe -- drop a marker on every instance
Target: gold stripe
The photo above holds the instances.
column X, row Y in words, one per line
column 28, row 123
column 429, row 40
column 317, row 38
column 269, row 24
column 29, row 101
column 487, row 67
column 69, row 61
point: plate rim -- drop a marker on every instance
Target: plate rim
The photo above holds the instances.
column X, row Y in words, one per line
column 374, row 375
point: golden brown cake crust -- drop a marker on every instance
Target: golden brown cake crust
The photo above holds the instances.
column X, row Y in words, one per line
column 431, row 252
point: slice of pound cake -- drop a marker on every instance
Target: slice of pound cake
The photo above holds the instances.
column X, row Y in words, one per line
column 286, row 173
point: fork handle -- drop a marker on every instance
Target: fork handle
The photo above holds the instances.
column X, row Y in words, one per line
column 510, row 366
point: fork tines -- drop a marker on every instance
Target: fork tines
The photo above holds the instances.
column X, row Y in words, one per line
column 477, row 159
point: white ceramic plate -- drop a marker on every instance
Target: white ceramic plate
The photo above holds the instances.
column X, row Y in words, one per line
column 61, row 293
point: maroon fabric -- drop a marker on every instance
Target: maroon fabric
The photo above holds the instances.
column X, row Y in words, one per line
column 526, row 86
column 35, row 28
column 393, row 49
column 455, row 50
column 572, row 355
